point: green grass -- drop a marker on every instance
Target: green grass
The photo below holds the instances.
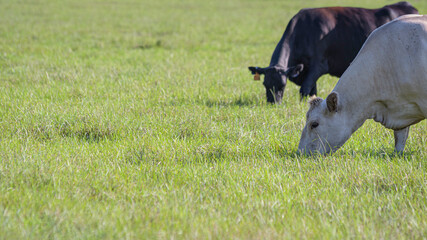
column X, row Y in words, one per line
column 139, row 119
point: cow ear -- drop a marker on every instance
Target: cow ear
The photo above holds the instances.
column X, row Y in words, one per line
column 295, row 71
column 332, row 102
column 258, row 70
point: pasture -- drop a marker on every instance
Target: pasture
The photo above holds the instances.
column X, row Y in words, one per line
column 140, row 120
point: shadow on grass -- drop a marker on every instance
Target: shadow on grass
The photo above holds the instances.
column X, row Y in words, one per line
column 84, row 131
column 383, row 153
column 142, row 155
column 239, row 102
column 145, row 46
column 87, row 131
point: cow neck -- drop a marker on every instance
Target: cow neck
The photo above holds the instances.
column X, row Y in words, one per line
column 355, row 99
column 281, row 54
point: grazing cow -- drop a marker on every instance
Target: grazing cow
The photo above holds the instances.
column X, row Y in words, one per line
column 319, row 41
column 387, row 82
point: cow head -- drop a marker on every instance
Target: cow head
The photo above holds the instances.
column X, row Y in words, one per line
column 275, row 79
column 327, row 127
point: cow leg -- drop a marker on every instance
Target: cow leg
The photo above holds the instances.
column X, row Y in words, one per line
column 400, row 137
column 313, row 90
column 308, row 86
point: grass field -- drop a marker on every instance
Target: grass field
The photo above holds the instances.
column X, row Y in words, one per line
column 139, row 120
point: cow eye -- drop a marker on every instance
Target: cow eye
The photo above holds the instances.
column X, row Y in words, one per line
column 314, row 125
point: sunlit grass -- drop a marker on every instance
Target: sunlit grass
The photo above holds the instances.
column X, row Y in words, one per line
column 139, row 119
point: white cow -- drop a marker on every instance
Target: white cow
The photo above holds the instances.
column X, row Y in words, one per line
column 387, row 82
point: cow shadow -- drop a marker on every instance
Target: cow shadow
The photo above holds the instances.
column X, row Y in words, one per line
column 383, row 153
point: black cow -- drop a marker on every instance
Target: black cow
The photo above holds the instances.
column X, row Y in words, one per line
column 319, row 41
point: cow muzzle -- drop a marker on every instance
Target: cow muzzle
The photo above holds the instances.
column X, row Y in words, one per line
column 275, row 96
